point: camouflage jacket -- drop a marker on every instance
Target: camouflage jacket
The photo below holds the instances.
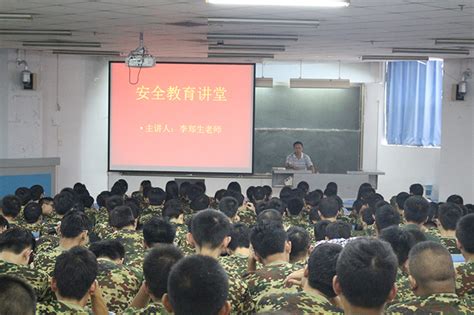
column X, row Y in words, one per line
column 404, row 291
column 269, row 277
column 102, row 216
column 440, row 303
column 247, row 216
column 150, row 212
column 431, row 234
column 301, row 221
column 58, row 307
column 239, row 295
column 134, row 249
column 103, row 229
column 154, row 308
column 295, row 303
column 180, row 239
column 450, row 244
column 119, row 285
column 234, row 263
column 47, row 243
column 45, row 261
column 50, row 223
column 36, row 278
column 465, row 280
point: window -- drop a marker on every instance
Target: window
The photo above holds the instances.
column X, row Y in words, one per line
column 413, row 107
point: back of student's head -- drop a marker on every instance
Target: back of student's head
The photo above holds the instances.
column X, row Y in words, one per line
column 431, row 265
column 145, row 183
column 401, row 240
column 295, row 205
column 386, row 216
column 457, row 199
column 229, row 206
column 300, row 241
column 322, row 268
column 16, row 240
column 156, row 196
column 329, row 207
column 277, row 204
column 16, row 296
column 304, row 186
column 194, row 191
column 268, row 216
column 158, row 231
column 268, row 191
column 401, row 199
column 331, row 190
column 63, row 202
column 417, row 190
column 234, row 186
column 465, row 233
column 259, row 194
column 111, row 249
column 320, row 230
column 197, row 285
column 74, row 223
column 172, row 190
column 210, row 228
column 121, row 217
column 114, row 202
column 238, row 196
column 338, row 229
column 268, row 239
column 416, row 209
column 239, row 236
column 448, row 215
column 312, row 199
column 102, row 198
column 365, row 190
column 37, row 192
column 157, row 266
column 200, row 202
column 11, row 206
column 32, row 212
column 24, row 194
column 366, row 271
column 172, row 209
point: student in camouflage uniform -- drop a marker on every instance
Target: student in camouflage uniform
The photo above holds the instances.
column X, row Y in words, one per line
column 363, row 286
column 156, row 198
column 386, row 216
column 157, row 232
column 156, row 269
column 197, row 285
column 229, row 206
column 102, row 227
column 465, row 271
column 210, row 231
column 300, row 245
column 75, row 227
column 12, row 290
column 119, row 284
column 272, row 249
column 318, row 296
column 11, row 207
column 448, row 216
column 238, row 250
column 294, row 215
column 16, row 247
column 74, row 284
column 432, row 283
column 32, row 219
column 174, row 213
column 416, row 214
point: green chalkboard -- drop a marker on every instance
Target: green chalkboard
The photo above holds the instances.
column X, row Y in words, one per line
column 327, row 121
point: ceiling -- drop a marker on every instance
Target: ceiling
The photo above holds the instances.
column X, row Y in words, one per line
column 178, row 29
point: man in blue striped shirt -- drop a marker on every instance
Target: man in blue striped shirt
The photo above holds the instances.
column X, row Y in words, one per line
column 299, row 160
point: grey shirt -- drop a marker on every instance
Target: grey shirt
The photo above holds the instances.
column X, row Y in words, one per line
column 299, row 164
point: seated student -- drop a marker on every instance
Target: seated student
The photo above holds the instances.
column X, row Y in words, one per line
column 74, row 231
column 32, row 219
column 272, row 249
column 416, row 214
column 365, row 276
column 269, row 215
column 385, row 217
column 338, row 230
column 417, row 190
column 124, row 225
column 210, row 230
column 47, row 207
column 12, row 290
column 268, row 191
column 16, row 246
column 229, row 206
column 158, row 231
column 401, row 199
column 3, row 224
column 37, row 192
column 300, row 245
column 200, row 202
column 156, row 199
column 294, row 215
column 11, row 207
column 118, row 283
column 74, row 284
column 197, row 285
column 448, row 216
column 465, row 242
column 156, row 269
column 174, row 213
column 318, row 296
column 432, row 283
column 238, row 249
column 24, row 194
column 320, row 230
column 328, row 209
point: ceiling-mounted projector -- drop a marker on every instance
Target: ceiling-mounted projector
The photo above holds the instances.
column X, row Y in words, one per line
column 140, row 58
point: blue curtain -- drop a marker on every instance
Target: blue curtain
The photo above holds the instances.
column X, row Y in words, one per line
column 414, row 98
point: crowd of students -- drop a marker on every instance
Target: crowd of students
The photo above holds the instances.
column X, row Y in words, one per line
column 177, row 250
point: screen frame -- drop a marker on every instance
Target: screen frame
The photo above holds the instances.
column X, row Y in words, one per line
column 171, row 171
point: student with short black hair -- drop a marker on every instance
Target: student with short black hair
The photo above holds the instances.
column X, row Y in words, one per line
column 238, row 249
column 385, row 217
column 270, row 215
column 432, row 279
column 11, row 207
column 74, row 284
column 338, row 230
column 365, row 276
column 457, row 199
column 12, row 290
column 157, row 232
column 465, row 242
column 229, row 206
column 172, row 190
column 328, row 209
column 37, row 192
column 234, row 186
column 16, row 247
column 416, row 214
column 417, row 190
column 24, row 194
column 268, row 192
column 300, row 244
column 320, row 230
column 4, row 225
column 448, row 216
column 156, row 198
column 197, row 285
column 32, row 218
column 156, row 269
column 304, row 186
column 200, row 202
column 118, row 283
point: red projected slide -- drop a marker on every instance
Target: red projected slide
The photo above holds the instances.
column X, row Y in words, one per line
column 182, row 117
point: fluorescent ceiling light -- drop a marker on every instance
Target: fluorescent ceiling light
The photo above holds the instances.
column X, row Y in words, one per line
column 35, row 32
column 319, row 84
column 248, row 47
column 241, row 55
column 15, row 16
column 276, row 37
column 393, row 57
column 288, row 3
column 87, row 52
column 264, row 82
column 454, row 41
column 61, row 44
column 303, row 23
column 448, row 51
